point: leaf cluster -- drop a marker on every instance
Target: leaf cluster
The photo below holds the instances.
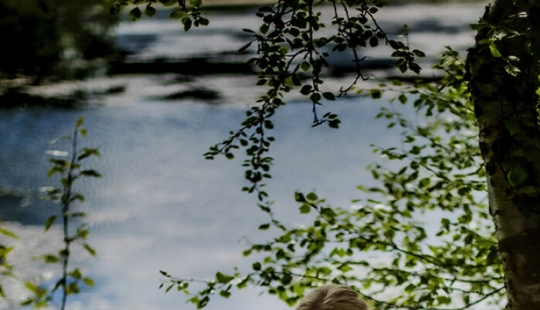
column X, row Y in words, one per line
column 292, row 56
column 190, row 13
column 502, row 34
column 6, row 269
column 381, row 246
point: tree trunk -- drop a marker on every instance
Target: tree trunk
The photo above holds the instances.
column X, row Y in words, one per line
column 505, row 102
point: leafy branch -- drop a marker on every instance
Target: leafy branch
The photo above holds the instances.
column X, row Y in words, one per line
column 69, row 170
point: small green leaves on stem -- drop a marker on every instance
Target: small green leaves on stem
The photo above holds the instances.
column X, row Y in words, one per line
column 41, row 297
column 190, row 14
column 69, row 169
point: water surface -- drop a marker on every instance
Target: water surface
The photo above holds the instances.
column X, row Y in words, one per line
column 160, row 205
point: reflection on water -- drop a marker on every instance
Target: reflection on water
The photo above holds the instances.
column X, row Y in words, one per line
column 160, row 205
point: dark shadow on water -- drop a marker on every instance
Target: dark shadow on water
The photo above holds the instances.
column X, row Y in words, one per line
column 207, row 95
column 17, row 97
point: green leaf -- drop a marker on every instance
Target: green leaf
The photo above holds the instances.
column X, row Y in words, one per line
column 89, row 249
column 77, row 196
column 312, row 197
column 516, row 176
column 87, row 152
column 32, row 287
column 304, row 65
column 315, row 97
column 50, row 259
column 83, row 132
column 419, row 53
column 88, row 281
column 223, row 278
column 82, row 233
column 299, row 197
column 79, row 122
column 373, row 41
column 334, row 123
column 512, row 70
column 188, row 22
column 306, row 89
column 375, row 93
column 264, row 226
column 224, row 294
column 50, row 221
column 305, row 208
column 402, row 98
column 203, row 21
column 150, row 10
column 513, row 58
column 135, row 14
column 8, row 233
column 90, row 173
column 245, row 47
column 72, row 288
column 164, row 273
column 494, row 51
column 76, row 273
column 329, row 96
column 328, row 212
column 55, row 169
column 264, row 28
column 286, row 279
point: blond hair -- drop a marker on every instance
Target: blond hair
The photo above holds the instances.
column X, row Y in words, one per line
column 332, row 297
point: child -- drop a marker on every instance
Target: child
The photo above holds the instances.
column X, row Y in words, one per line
column 332, row 297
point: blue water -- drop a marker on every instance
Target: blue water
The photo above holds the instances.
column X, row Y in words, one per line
column 161, row 205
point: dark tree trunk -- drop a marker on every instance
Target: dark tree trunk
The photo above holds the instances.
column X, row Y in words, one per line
column 504, row 94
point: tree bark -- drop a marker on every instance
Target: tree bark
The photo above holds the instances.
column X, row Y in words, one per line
column 506, row 108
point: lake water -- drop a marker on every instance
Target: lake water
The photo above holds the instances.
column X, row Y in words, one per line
column 159, row 204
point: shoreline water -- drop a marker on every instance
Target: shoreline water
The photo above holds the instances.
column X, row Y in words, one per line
column 146, row 55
